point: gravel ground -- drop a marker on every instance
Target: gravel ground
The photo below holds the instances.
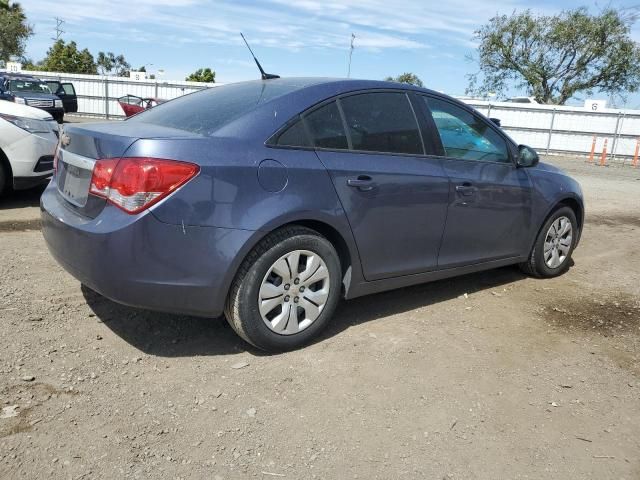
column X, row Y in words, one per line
column 491, row 375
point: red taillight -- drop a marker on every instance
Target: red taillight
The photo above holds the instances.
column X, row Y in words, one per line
column 134, row 184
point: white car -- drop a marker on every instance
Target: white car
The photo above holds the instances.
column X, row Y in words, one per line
column 28, row 139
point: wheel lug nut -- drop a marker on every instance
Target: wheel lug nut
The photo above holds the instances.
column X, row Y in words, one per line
column 296, row 300
column 287, row 286
column 286, row 299
column 301, row 289
column 296, row 281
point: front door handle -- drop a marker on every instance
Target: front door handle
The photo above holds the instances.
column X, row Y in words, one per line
column 466, row 189
column 363, row 183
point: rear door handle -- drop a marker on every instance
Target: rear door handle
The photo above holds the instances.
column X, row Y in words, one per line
column 466, row 189
column 363, row 183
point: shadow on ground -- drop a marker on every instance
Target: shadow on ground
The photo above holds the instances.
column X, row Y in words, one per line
column 168, row 335
column 22, row 198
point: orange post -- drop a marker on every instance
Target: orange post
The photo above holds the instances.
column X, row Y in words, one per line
column 603, row 157
column 593, row 149
column 635, row 155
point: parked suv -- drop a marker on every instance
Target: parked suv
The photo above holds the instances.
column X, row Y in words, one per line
column 269, row 200
column 67, row 93
column 31, row 91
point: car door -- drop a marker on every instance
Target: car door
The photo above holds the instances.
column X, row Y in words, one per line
column 490, row 201
column 394, row 196
column 70, row 99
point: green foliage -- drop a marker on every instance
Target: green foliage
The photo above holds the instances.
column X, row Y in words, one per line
column 555, row 57
column 66, row 58
column 410, row 78
column 110, row 64
column 14, row 30
column 202, row 75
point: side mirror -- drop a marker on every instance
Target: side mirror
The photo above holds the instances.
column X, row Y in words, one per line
column 527, row 156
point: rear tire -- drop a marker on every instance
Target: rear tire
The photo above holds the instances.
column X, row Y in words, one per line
column 286, row 290
column 551, row 253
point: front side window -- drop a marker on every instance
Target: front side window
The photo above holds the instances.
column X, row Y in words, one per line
column 382, row 122
column 326, row 128
column 465, row 135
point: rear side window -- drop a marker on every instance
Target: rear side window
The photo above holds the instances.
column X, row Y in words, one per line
column 326, row 128
column 293, row 136
column 382, row 122
column 466, row 136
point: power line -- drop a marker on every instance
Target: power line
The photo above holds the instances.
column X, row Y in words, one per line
column 59, row 30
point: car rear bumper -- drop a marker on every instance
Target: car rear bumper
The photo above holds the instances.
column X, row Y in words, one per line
column 141, row 261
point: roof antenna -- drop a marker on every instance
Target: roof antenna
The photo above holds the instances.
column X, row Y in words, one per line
column 265, row 76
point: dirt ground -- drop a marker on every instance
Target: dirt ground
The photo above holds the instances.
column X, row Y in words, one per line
column 491, row 375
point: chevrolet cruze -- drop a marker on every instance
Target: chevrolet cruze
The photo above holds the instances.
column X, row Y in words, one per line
column 270, row 200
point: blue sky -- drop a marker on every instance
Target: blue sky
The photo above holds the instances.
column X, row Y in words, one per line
column 291, row 38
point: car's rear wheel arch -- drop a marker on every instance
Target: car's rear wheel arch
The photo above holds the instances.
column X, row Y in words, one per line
column 322, row 228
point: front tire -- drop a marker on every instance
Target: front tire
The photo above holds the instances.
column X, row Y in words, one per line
column 551, row 254
column 286, row 290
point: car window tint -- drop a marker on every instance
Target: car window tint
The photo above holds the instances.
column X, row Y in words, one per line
column 68, row 89
column 325, row 127
column 294, row 136
column 382, row 122
column 465, row 135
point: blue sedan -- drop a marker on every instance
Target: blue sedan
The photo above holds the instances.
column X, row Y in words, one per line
column 270, row 200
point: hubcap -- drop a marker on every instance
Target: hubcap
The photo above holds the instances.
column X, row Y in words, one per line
column 294, row 292
column 557, row 243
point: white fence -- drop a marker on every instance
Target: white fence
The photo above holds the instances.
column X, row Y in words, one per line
column 568, row 130
column 97, row 94
column 548, row 129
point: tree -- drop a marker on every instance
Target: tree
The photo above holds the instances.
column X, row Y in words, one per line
column 66, row 58
column 14, row 30
column 202, row 75
column 410, row 78
column 555, row 57
column 110, row 64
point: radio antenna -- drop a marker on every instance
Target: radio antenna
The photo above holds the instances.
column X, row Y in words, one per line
column 265, row 76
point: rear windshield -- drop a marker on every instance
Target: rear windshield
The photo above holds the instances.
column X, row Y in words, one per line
column 207, row 111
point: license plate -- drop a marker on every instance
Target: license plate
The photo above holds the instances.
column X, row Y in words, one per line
column 74, row 182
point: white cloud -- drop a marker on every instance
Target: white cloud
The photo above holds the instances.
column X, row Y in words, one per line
column 378, row 24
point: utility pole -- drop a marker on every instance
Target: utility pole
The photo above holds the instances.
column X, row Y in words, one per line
column 59, row 30
column 353, row 37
